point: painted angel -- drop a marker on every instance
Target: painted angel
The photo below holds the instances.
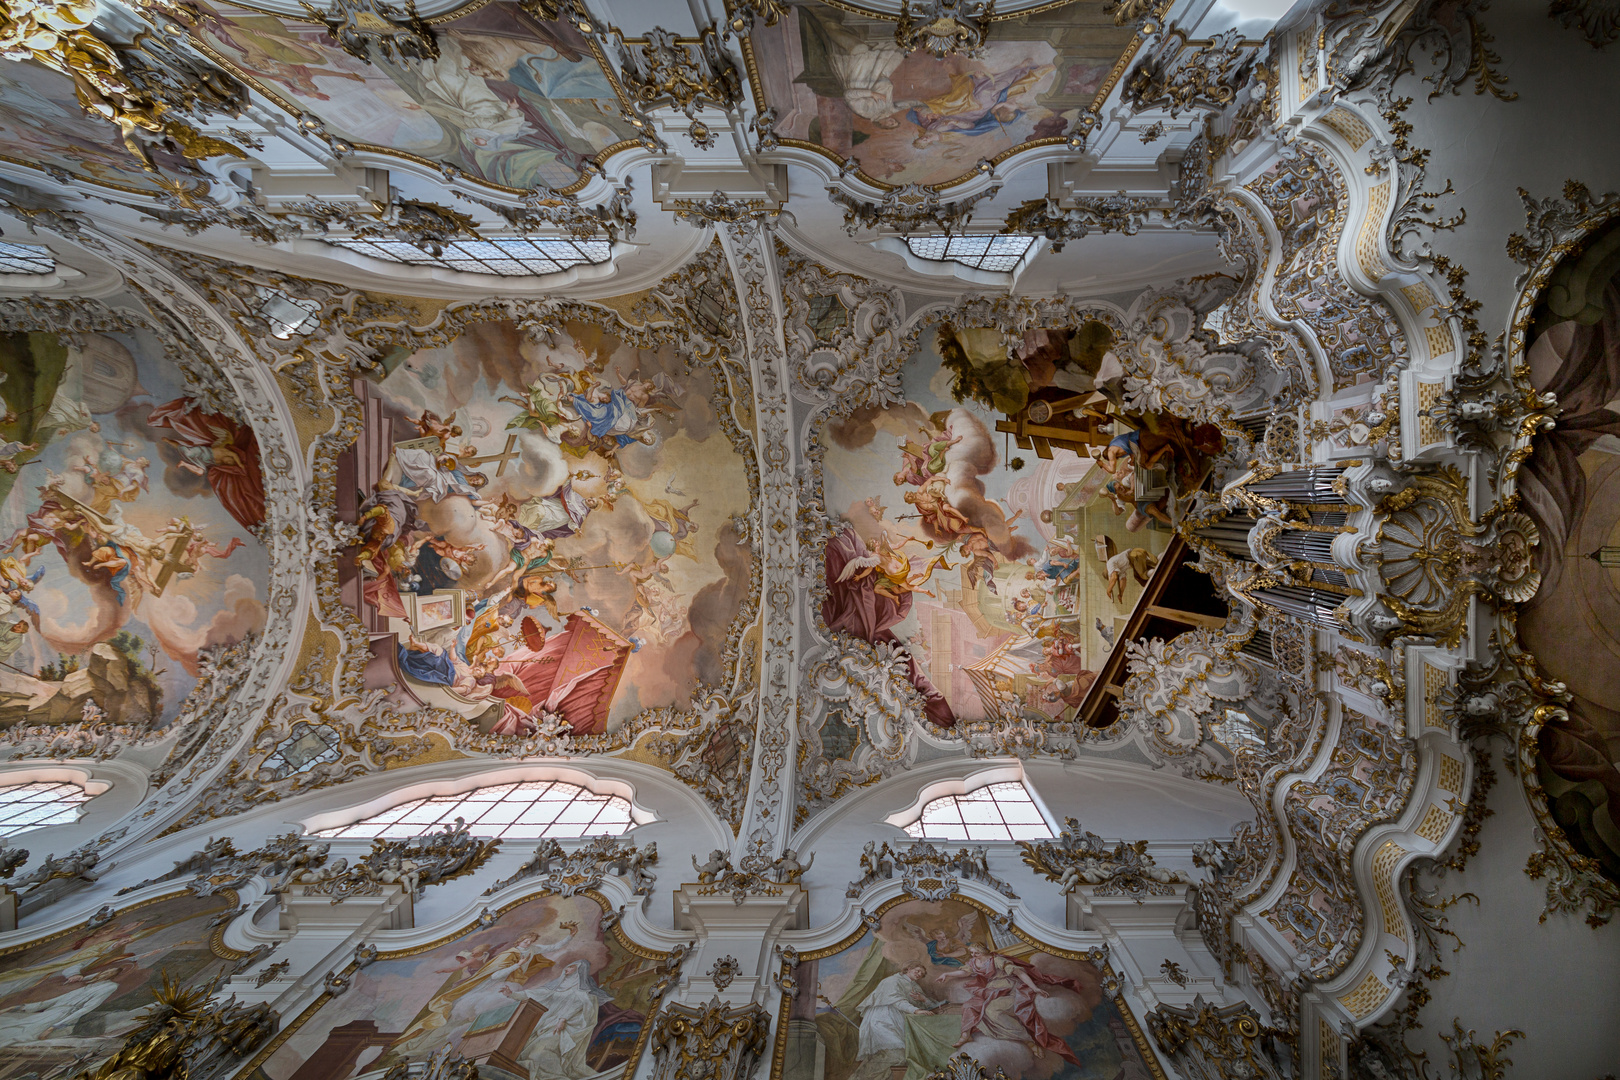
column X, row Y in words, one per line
column 944, row 950
column 892, row 570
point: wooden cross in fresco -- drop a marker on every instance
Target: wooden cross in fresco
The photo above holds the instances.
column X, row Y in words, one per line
column 174, row 562
column 511, row 453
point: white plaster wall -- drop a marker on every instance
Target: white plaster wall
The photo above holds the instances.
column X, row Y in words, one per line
column 683, row 826
column 1558, row 981
column 1117, row 801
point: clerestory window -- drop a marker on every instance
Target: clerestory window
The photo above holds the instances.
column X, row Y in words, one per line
column 1000, row 811
column 977, row 251
column 526, row 809
column 36, row 805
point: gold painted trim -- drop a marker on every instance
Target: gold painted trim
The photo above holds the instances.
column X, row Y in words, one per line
column 83, row 179
column 779, row 1050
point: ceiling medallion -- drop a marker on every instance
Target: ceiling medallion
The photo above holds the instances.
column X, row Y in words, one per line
column 359, row 26
column 909, row 209
column 945, row 27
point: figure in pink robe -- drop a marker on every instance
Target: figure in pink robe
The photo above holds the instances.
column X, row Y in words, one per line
column 1002, row 1002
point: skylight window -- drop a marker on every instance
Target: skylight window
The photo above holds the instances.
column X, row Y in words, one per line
column 34, row 806
column 506, row 258
column 25, row 259
column 520, row 811
column 1003, row 811
column 983, row 251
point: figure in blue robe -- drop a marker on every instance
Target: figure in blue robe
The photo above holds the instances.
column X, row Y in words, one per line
column 616, row 416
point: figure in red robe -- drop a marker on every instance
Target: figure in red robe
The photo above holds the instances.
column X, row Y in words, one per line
column 856, row 607
column 217, row 447
column 1003, row 993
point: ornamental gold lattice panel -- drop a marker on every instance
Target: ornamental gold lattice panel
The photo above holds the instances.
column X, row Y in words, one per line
column 1346, row 123
column 1434, row 825
column 1365, row 997
column 1421, row 295
column 1367, row 243
column 1428, row 395
column 1307, row 47
column 1328, row 1044
column 1383, row 871
column 1435, row 679
column 1451, row 774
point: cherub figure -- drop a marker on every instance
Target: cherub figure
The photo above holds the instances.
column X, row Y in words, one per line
column 717, row 864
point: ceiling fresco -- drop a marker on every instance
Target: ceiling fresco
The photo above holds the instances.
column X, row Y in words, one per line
column 930, row 978
column 42, row 126
column 80, row 992
column 777, row 534
column 1003, row 518
column 548, row 529
column 510, row 100
column 1571, row 488
column 130, row 516
column 482, row 991
column 840, row 84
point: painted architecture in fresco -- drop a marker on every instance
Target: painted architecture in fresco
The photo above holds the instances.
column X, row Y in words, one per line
column 935, row 979
column 71, row 998
column 546, row 529
column 127, row 525
column 1571, row 487
column 543, row 994
column 1020, row 510
column 838, row 80
column 511, row 99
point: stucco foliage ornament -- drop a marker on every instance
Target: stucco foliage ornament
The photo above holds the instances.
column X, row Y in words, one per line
column 545, row 209
column 413, row 863
column 1083, row 858
column 708, row 1042
column 1173, row 686
column 1209, row 1042
column 926, row 871
column 361, row 26
column 569, row 872
column 685, row 74
column 909, row 208
column 1597, row 20
column 1119, row 213
column 1178, row 75
column 945, row 27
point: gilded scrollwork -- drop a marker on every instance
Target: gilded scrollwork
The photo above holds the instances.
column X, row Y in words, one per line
column 1081, row 858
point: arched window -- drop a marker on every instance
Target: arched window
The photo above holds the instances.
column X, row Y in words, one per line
column 38, row 804
column 977, row 251
column 523, row 810
column 1003, row 811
